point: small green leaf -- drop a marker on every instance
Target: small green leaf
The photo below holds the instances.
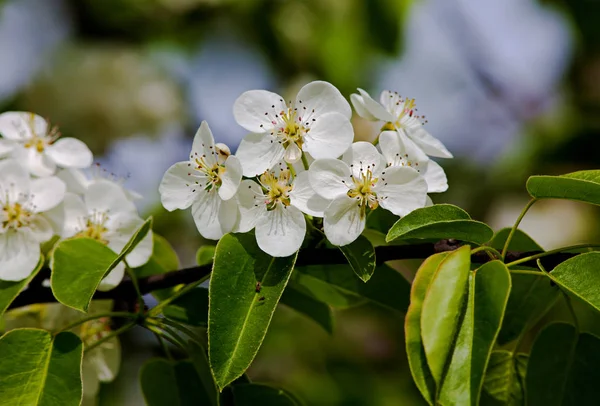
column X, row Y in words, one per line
column 306, row 304
column 361, row 257
column 505, row 377
column 519, row 242
column 579, row 275
column 200, row 360
column 191, row 308
column 438, row 222
column 442, row 309
column 582, row 186
column 412, row 327
column 78, row 266
column 37, row 369
column 563, row 368
column 166, row 383
column 260, row 394
column 10, row 290
column 205, row 255
column 240, row 308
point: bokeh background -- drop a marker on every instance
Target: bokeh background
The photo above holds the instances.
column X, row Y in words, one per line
column 512, row 87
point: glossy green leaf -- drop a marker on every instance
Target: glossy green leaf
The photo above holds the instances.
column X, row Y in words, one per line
column 38, row 369
column 519, row 242
column 304, row 303
column 583, row 186
column 505, row 377
column 381, row 220
column 440, row 221
column 260, row 394
column 442, row 307
column 205, row 255
column 191, row 308
column 10, row 290
column 361, row 257
column 580, row 275
column 199, row 358
column 338, row 286
column 563, row 368
column 245, row 287
column 412, row 327
column 530, row 298
column 166, row 383
column 164, row 259
column 78, row 266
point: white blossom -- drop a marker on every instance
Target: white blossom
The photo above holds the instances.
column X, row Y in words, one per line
column 207, row 182
column 77, row 180
column 399, row 114
column 30, row 140
column 22, row 226
column 360, row 181
column 318, row 122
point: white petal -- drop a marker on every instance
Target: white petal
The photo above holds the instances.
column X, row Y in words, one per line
column 305, row 198
column 47, row 193
column 361, row 109
column 103, row 196
column 113, row 278
column 329, row 136
column 401, row 190
column 109, row 360
column 204, row 145
column 75, row 180
column 323, row 98
column 392, row 147
column 178, row 188
column 430, row 145
column 428, row 202
column 229, row 215
column 258, row 153
column 343, row 222
column 329, row 178
column 70, row 153
column 14, row 181
column 251, row 203
column 292, row 153
column 75, row 214
column 142, row 252
column 281, row 231
column 230, row 180
column 249, row 110
column 19, row 255
column 435, row 177
column 38, row 164
column 363, row 156
column 19, row 126
column 6, row 147
column 40, row 229
column 374, row 108
column 205, row 212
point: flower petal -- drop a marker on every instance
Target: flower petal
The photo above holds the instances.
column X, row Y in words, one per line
column 281, row 231
column 329, row 178
column 258, row 153
column 255, row 110
column 329, row 136
column 103, row 196
column 19, row 255
column 41, row 229
column 359, row 105
column 343, row 222
column 14, row 181
column 75, row 215
column 70, row 153
column 305, row 198
column 435, row 177
column 427, row 142
column 292, row 153
column 229, row 215
column 113, row 278
column 230, row 180
column 363, row 156
column 204, row 145
column 38, row 164
column 142, row 252
column 75, row 180
column 178, row 188
column 47, row 193
column 401, row 190
column 323, row 98
column 374, row 108
column 251, row 204
column 6, row 147
column 17, row 125
column 205, row 212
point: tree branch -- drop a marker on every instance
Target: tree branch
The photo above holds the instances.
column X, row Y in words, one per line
column 125, row 292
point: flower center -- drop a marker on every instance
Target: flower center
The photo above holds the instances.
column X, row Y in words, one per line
column 212, row 172
column 95, row 227
column 15, row 216
column 40, row 141
column 277, row 189
column 403, row 110
column 292, row 129
column 362, row 190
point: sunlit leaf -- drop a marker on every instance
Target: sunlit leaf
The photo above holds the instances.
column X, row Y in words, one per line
column 583, row 186
column 361, row 257
column 579, row 275
column 205, row 254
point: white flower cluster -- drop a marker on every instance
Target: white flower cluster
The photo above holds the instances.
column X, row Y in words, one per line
column 299, row 161
column 43, row 193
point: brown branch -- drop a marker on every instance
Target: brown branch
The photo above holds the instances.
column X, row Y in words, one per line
column 125, row 292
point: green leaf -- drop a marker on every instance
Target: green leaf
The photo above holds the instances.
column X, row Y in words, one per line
column 338, row 286
column 442, row 306
column 412, row 327
column 439, row 222
column 306, row 304
column 205, row 255
column 583, row 186
column 519, row 242
column 530, row 298
column 260, row 394
column 381, row 220
column 563, row 368
column 10, row 290
column 505, row 377
column 200, row 360
column 191, row 308
column 240, row 309
column 166, row 383
column 361, row 257
column 38, row 369
column 163, row 259
column 579, row 275
column 78, row 266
